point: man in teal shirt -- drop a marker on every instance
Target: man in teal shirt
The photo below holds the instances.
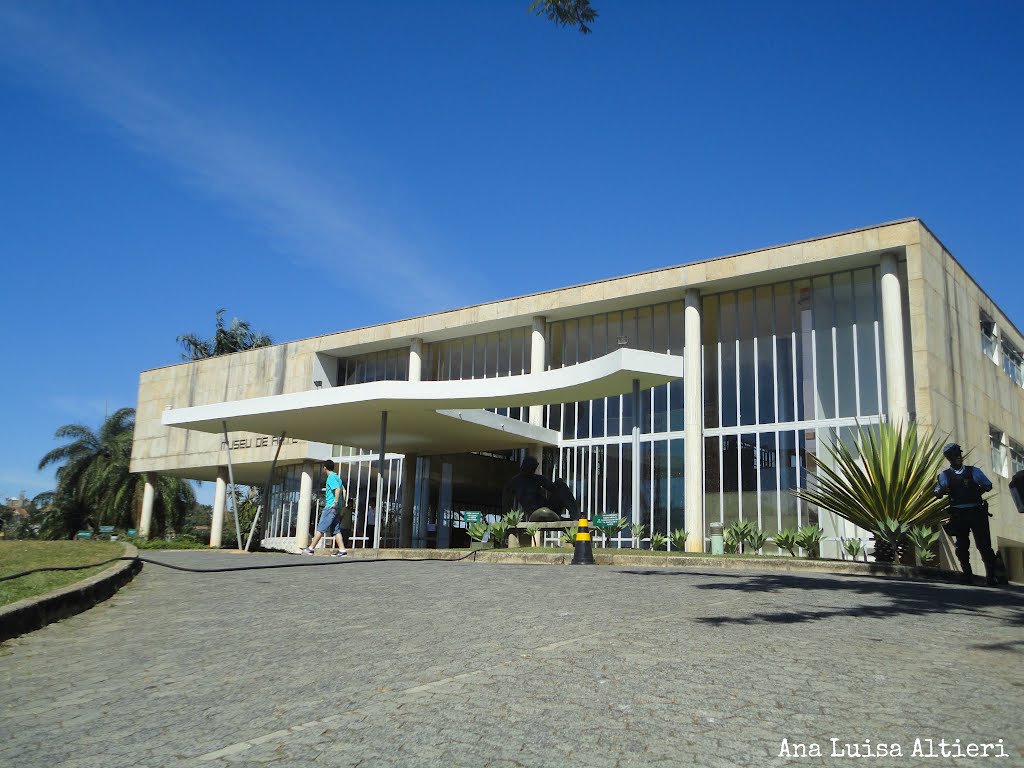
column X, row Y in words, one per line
column 330, row 518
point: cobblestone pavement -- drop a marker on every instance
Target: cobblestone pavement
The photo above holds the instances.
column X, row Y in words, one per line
column 351, row 663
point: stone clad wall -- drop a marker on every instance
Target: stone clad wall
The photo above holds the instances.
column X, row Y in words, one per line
column 958, row 389
column 257, row 373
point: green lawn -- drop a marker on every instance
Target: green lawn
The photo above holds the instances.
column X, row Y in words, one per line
column 17, row 556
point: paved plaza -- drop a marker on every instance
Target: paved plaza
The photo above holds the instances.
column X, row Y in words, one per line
column 352, row 663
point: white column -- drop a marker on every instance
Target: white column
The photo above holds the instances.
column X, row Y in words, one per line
column 538, row 353
column 416, row 360
column 892, row 321
column 305, row 507
column 220, row 495
column 538, row 356
column 693, row 406
column 148, row 493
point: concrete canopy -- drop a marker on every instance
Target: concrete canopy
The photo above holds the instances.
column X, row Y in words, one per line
column 432, row 417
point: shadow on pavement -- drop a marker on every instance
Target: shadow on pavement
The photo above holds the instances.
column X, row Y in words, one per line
column 904, row 598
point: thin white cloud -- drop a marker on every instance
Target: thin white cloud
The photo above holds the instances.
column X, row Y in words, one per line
column 89, row 411
column 13, row 481
column 313, row 221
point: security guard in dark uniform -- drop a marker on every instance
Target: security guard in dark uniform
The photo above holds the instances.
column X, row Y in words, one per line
column 968, row 512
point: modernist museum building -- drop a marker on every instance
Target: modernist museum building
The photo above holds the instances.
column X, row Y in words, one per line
column 678, row 397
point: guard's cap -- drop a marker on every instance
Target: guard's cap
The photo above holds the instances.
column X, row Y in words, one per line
column 951, row 448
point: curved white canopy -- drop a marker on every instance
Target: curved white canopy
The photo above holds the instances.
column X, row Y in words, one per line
column 432, row 416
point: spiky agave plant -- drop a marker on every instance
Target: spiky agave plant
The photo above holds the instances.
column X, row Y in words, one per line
column 889, row 476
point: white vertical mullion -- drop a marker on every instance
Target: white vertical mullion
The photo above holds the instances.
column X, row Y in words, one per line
column 757, row 390
column 757, row 475
column 778, row 481
column 835, row 352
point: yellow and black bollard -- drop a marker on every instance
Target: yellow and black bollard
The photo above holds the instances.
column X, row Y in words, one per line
column 583, row 554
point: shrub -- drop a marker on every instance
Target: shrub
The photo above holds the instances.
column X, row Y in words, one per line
column 923, row 538
column 569, row 536
column 736, row 533
column 888, row 476
column 679, row 537
column 658, row 541
column 477, row 531
column 639, row 532
column 854, row 547
column 756, row 538
column 809, row 537
column 786, row 539
column 611, row 530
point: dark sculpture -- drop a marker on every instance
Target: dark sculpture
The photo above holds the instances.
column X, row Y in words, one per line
column 541, row 500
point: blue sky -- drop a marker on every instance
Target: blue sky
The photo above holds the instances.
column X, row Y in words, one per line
column 317, row 166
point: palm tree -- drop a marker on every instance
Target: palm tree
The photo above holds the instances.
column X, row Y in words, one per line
column 236, row 337
column 884, row 485
column 94, row 483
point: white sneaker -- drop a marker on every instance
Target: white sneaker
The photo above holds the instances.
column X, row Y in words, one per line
column 340, row 553
column 306, row 551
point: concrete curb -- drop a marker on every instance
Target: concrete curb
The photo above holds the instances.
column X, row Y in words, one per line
column 33, row 613
column 760, row 564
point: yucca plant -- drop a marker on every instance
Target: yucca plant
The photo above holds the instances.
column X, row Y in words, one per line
column 756, row 538
column 889, row 538
column 679, row 537
column 854, row 547
column 477, row 531
column 513, row 518
column 639, row 532
column 923, row 538
column 736, row 534
column 569, row 536
column 658, row 541
column 531, row 532
column 499, row 532
column 888, row 476
column 786, row 539
column 809, row 538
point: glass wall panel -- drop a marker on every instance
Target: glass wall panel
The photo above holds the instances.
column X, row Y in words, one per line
column 629, row 328
column 613, row 419
column 769, row 482
column 599, row 344
column 764, row 312
column 846, row 369
column 785, row 340
column 661, row 488
column 746, row 373
column 660, row 408
column 613, row 471
column 709, row 333
column 727, row 337
column 804, row 350
column 730, row 478
column 645, row 329
column 585, row 339
column 749, row 459
column 645, row 514
column 789, row 474
column 597, row 418
column 824, row 326
column 583, row 419
column 676, row 331
column 677, row 485
column 712, row 481
column 659, row 320
column 864, row 282
column 626, row 482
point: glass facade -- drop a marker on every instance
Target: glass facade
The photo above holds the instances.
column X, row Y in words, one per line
column 787, row 368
